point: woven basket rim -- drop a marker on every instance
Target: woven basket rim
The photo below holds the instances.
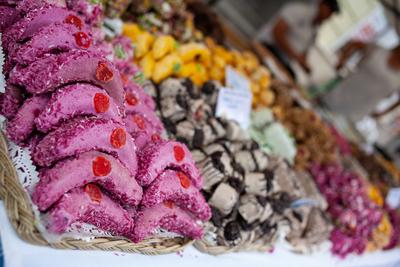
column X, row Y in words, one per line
column 20, row 214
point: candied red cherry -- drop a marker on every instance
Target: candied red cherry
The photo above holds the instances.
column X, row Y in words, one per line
column 101, row 166
column 169, row 204
column 118, row 138
column 74, row 20
column 179, row 153
column 82, row 40
column 94, row 192
column 104, row 73
column 131, row 99
column 139, row 121
column 155, row 137
column 101, row 102
column 185, row 182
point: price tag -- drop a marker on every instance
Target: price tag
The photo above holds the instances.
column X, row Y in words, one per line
column 234, row 105
column 393, row 198
column 235, row 80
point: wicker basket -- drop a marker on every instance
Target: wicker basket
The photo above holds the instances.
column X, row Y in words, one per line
column 251, row 243
column 20, row 214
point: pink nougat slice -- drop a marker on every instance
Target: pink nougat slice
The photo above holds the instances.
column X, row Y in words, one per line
column 10, row 101
column 89, row 205
column 53, row 71
column 74, row 100
column 89, row 167
column 26, row 27
column 176, row 187
column 158, row 156
column 85, row 134
column 55, row 38
column 23, row 124
column 166, row 216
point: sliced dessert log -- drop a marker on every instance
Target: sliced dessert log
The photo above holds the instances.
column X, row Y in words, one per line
column 26, row 27
column 84, row 134
column 89, row 205
column 10, row 101
column 23, row 124
column 74, row 100
column 89, row 167
column 166, row 216
column 175, row 186
column 156, row 157
column 53, row 71
column 53, row 39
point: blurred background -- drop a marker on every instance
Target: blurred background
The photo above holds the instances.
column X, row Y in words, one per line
column 363, row 100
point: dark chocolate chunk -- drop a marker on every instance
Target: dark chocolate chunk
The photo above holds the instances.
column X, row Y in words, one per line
column 208, row 88
column 169, row 125
column 182, row 101
column 216, row 161
column 239, row 168
column 269, row 175
column 281, row 203
column 254, row 145
column 298, row 216
column 266, row 228
column 188, row 84
column 217, row 218
column 198, row 138
column 237, row 184
column 262, row 200
column 232, row 231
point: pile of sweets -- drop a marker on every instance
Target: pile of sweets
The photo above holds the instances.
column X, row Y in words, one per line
column 250, row 193
column 314, row 139
column 271, row 135
column 93, row 133
column 169, row 17
column 357, row 218
column 162, row 56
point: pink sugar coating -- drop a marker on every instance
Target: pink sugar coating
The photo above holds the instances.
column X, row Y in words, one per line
column 60, row 35
column 156, row 157
column 71, row 173
column 8, row 16
column 53, row 71
column 10, row 101
column 167, row 186
column 25, row 6
column 71, row 101
column 77, row 206
column 23, row 124
column 26, row 27
column 172, row 219
column 81, row 135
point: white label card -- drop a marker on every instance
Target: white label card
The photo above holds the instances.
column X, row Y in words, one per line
column 235, row 80
column 234, row 105
column 393, row 198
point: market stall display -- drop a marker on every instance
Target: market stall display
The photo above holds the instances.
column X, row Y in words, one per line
column 94, row 170
column 116, row 143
